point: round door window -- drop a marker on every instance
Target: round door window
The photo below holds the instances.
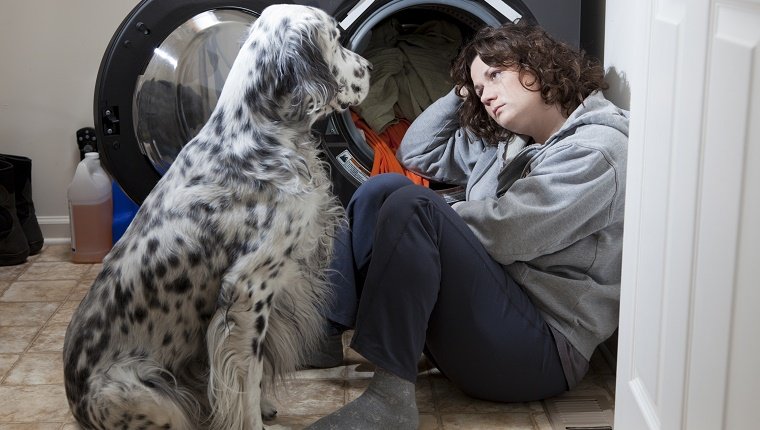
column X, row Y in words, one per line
column 179, row 89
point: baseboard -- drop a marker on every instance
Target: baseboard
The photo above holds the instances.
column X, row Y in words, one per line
column 55, row 229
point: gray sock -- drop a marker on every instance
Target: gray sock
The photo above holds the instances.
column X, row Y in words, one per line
column 388, row 403
column 328, row 354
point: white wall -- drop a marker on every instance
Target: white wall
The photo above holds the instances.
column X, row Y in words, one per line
column 621, row 41
column 50, row 51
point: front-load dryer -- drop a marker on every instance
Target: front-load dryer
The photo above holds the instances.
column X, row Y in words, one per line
column 165, row 66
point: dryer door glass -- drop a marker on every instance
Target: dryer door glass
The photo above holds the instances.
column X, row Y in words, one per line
column 179, row 89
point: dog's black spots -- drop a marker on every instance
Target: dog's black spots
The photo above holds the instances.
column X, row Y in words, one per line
column 255, row 346
column 139, row 314
column 285, row 23
column 167, row 339
column 247, row 127
column 263, row 286
column 160, row 270
column 124, row 328
column 194, row 258
column 180, row 285
column 359, row 72
column 218, row 121
column 195, row 181
column 288, row 251
column 356, row 88
column 122, row 296
column 117, row 252
column 269, row 299
column 259, row 306
column 173, row 261
column 147, row 280
column 200, row 304
column 252, row 220
column 269, row 217
column 260, row 324
column 187, row 162
column 150, row 328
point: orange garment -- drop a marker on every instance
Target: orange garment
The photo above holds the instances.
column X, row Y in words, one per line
column 385, row 145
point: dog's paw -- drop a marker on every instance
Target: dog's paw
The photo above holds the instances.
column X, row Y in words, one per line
column 268, row 411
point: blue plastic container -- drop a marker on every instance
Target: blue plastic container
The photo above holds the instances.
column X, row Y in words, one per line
column 124, row 210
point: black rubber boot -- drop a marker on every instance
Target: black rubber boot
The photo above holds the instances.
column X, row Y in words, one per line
column 13, row 245
column 22, row 168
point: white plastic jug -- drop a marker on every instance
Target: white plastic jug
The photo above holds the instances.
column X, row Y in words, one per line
column 90, row 211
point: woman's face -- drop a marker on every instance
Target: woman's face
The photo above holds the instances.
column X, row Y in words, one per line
column 511, row 105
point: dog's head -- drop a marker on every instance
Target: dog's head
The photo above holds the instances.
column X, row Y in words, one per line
column 293, row 66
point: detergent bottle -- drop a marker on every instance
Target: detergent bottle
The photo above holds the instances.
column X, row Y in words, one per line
column 90, row 211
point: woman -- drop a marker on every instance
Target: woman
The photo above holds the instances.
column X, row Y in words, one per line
column 509, row 291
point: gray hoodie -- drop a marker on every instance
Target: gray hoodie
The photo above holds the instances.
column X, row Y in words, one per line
column 551, row 214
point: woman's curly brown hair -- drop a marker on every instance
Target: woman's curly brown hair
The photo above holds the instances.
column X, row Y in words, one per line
column 564, row 75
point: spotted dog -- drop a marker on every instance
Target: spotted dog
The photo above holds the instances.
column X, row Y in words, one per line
column 217, row 286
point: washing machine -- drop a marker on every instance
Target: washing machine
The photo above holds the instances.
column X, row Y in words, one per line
column 165, row 66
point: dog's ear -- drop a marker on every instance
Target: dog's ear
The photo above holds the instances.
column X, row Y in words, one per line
column 305, row 79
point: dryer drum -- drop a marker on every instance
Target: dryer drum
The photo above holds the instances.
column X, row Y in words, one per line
column 166, row 64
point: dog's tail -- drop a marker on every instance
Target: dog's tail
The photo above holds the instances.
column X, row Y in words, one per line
column 135, row 393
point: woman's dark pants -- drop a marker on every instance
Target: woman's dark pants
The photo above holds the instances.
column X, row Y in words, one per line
column 410, row 275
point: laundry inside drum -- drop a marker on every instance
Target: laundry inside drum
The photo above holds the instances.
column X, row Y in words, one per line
column 411, row 52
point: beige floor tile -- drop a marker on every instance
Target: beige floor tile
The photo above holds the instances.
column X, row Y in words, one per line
column 80, row 290
column 33, row 426
column 38, row 291
column 541, row 421
column 449, row 399
column 310, row 397
column 510, row 421
column 29, row 314
column 92, row 273
column 54, row 271
column 71, row 426
column 10, row 273
column 429, row 422
column 6, row 362
column 64, row 313
column 32, row 404
column 56, row 252
column 37, row 369
column 4, row 286
column 50, row 339
column 16, row 339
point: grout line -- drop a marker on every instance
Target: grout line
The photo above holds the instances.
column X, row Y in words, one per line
column 44, row 324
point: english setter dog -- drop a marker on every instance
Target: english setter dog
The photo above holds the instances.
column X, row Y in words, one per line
column 217, row 286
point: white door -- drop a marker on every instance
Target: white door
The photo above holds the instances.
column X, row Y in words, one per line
column 689, row 339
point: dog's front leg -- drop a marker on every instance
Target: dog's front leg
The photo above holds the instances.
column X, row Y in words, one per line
column 235, row 338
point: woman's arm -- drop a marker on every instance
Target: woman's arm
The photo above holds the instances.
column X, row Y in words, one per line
column 436, row 147
column 569, row 195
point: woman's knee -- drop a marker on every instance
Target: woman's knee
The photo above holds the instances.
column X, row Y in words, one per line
column 377, row 188
column 409, row 197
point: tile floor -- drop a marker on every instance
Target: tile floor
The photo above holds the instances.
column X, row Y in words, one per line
column 38, row 298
